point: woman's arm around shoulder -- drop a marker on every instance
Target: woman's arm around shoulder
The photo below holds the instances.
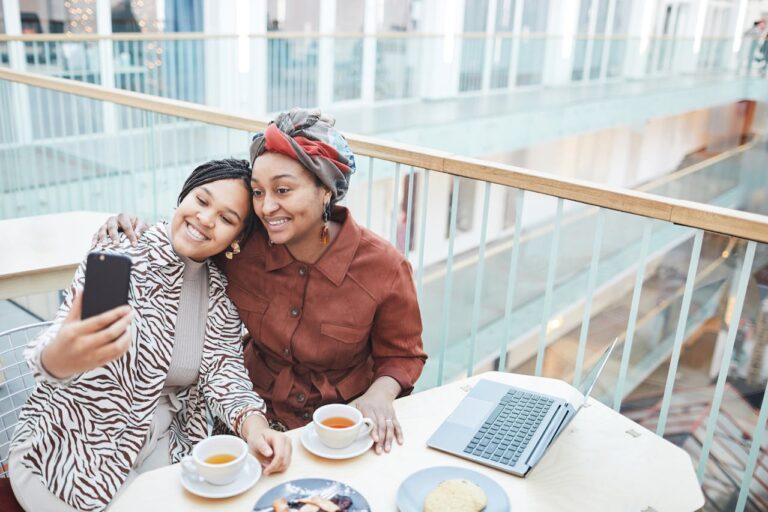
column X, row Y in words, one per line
column 109, row 232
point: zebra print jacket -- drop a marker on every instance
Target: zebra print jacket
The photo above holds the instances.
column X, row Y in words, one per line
column 86, row 432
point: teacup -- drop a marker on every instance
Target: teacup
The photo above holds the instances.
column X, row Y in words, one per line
column 217, row 459
column 339, row 425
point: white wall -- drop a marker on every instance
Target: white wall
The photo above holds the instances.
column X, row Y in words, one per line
column 350, row 15
column 232, row 86
column 300, row 15
column 626, row 156
column 441, row 56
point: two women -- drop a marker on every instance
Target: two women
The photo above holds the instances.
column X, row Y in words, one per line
column 330, row 307
column 129, row 390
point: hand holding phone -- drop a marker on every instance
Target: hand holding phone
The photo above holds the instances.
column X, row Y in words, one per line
column 82, row 345
column 96, row 330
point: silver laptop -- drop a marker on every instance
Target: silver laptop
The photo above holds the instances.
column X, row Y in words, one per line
column 509, row 428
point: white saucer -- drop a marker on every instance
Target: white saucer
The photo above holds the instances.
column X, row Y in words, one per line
column 312, row 443
column 245, row 480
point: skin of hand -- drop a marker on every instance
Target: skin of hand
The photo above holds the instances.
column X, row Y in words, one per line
column 272, row 448
column 132, row 226
column 83, row 345
column 377, row 404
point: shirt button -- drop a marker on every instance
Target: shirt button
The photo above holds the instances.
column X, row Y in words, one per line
column 295, row 312
column 305, row 416
column 286, row 351
column 300, row 397
column 302, row 270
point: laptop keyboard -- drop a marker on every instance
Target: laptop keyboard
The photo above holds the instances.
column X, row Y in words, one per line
column 509, row 428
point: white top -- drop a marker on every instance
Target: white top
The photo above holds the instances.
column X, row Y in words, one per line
column 190, row 324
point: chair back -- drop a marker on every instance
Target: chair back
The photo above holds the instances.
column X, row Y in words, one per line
column 16, row 382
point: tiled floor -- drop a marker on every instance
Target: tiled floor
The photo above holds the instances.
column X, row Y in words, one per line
column 12, row 316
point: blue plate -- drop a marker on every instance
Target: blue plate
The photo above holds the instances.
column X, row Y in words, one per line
column 414, row 489
column 306, row 487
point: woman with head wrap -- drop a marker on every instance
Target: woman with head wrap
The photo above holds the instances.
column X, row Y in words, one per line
column 330, row 307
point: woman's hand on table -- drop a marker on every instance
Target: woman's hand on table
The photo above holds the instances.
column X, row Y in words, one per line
column 377, row 404
column 132, row 226
column 272, row 448
column 82, row 345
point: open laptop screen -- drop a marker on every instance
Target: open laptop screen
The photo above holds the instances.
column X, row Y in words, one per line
column 589, row 381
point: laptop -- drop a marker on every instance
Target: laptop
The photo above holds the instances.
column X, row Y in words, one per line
column 510, row 428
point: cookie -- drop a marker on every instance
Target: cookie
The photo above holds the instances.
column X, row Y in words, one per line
column 455, row 495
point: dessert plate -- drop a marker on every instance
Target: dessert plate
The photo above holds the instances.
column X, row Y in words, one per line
column 414, row 489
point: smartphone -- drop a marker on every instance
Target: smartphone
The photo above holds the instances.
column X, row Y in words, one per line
column 107, row 278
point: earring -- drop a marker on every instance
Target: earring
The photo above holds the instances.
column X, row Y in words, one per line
column 235, row 250
column 325, row 235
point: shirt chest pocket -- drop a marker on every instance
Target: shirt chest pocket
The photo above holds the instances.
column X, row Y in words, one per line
column 343, row 344
column 349, row 334
column 252, row 309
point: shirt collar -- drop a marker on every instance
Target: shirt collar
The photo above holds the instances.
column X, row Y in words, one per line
column 335, row 261
column 278, row 256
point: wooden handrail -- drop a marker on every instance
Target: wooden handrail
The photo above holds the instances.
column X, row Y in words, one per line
column 138, row 100
column 183, row 36
column 710, row 218
column 698, row 166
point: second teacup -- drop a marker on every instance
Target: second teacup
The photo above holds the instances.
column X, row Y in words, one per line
column 217, row 459
column 339, row 425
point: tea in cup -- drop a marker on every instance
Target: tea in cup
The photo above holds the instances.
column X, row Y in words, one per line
column 339, row 425
column 218, row 459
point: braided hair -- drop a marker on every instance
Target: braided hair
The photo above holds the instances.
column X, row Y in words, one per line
column 227, row 169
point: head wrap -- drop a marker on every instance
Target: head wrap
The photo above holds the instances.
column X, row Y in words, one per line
column 310, row 138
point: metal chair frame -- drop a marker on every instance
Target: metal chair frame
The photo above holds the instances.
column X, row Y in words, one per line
column 16, row 382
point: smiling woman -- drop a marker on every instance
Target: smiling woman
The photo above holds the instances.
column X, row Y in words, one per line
column 290, row 203
column 130, row 390
column 205, row 222
column 330, row 307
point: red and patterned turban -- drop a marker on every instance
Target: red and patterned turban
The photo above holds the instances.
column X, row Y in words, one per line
column 310, row 138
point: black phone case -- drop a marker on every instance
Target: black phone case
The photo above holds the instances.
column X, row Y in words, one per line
column 107, row 277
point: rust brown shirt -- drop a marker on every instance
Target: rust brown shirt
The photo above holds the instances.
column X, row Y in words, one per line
column 324, row 332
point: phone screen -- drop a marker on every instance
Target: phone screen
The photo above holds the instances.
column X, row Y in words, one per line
column 107, row 278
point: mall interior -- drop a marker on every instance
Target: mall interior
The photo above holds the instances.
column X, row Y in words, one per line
column 559, row 173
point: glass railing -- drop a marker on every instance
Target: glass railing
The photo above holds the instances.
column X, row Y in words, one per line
column 273, row 72
column 567, row 264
